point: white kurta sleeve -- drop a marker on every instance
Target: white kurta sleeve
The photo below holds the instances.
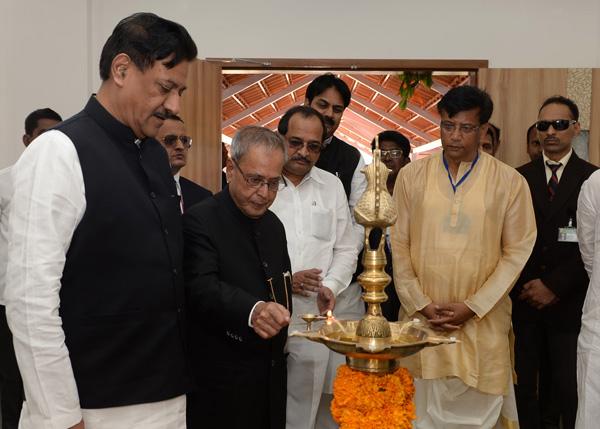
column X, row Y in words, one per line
column 47, row 205
column 587, row 215
column 5, row 193
column 345, row 252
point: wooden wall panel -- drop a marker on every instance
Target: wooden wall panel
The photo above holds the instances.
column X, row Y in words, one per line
column 594, row 146
column 201, row 112
column 518, row 95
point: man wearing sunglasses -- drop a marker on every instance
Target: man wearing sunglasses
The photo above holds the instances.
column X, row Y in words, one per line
column 549, row 295
column 323, row 250
column 175, row 139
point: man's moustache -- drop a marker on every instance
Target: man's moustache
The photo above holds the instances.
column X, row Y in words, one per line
column 162, row 114
column 301, row 158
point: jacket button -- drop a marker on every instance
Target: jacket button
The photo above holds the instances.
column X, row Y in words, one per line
column 166, row 231
column 265, row 264
column 543, row 267
column 257, row 233
column 271, row 296
column 153, row 194
column 273, row 362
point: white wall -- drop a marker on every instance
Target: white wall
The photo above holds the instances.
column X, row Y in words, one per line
column 50, row 49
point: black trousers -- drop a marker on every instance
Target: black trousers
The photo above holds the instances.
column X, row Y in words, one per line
column 533, row 341
column 11, row 384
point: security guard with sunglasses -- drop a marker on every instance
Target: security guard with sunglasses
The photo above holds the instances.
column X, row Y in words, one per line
column 173, row 136
column 549, row 295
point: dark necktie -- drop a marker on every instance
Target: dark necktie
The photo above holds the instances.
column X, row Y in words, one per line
column 553, row 182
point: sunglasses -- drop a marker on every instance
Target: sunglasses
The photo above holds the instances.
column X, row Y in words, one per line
column 170, row 140
column 297, row 144
column 558, row 125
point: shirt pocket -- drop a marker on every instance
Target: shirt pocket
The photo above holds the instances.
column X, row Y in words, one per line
column 321, row 222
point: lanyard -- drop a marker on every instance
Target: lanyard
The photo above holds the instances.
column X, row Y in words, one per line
column 462, row 179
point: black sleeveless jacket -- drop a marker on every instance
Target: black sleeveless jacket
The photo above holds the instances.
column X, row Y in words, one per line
column 340, row 159
column 122, row 286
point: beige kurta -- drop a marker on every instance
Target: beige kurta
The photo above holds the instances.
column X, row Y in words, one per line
column 465, row 247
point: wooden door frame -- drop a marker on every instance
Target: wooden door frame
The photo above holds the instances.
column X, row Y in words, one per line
column 204, row 163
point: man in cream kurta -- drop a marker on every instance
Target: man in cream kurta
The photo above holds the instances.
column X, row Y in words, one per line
column 465, row 230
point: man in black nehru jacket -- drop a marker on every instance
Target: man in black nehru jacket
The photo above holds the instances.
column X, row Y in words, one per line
column 329, row 95
column 94, row 292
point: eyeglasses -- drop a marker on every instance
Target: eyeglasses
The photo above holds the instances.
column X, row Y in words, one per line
column 297, row 144
column 465, row 129
column 558, row 125
column 397, row 153
column 256, row 182
column 171, row 140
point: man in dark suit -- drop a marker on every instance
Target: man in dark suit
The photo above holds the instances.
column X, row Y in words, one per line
column 238, row 289
column 549, row 295
column 175, row 139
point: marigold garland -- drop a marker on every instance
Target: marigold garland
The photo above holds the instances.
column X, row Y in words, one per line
column 366, row 401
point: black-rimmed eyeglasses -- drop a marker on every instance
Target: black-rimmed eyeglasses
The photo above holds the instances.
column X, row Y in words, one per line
column 170, row 140
column 257, row 182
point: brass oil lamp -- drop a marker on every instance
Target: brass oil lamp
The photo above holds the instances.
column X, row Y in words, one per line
column 372, row 344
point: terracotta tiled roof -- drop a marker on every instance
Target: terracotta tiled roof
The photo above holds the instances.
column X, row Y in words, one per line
column 255, row 99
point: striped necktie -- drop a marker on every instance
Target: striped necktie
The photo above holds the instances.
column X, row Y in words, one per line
column 553, row 182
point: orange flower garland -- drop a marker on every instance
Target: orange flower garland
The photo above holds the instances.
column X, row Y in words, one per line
column 366, row 401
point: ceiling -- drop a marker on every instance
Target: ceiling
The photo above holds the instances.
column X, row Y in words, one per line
column 261, row 99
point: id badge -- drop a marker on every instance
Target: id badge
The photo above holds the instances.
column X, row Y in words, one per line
column 567, row 235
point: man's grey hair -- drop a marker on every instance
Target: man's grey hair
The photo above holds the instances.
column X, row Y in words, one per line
column 249, row 137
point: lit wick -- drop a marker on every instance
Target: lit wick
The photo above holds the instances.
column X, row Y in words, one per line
column 329, row 317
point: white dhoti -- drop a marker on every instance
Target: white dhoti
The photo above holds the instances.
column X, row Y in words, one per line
column 448, row 403
column 169, row 414
column 312, row 367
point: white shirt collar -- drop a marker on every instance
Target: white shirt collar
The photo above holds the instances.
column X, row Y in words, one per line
column 313, row 174
column 563, row 160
